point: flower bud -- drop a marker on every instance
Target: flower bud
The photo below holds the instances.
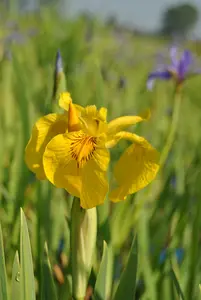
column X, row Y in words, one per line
column 83, row 242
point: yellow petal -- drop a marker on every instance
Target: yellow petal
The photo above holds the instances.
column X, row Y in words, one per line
column 136, row 168
column 101, row 154
column 78, row 163
column 43, row 131
column 73, row 119
column 102, row 113
column 94, row 185
column 129, row 136
column 60, row 168
column 65, row 100
column 92, row 112
column 94, row 121
column 126, row 121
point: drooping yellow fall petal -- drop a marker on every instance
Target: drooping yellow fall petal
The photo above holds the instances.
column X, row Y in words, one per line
column 101, row 155
column 94, row 185
column 120, row 123
column 126, row 136
column 136, row 168
column 60, row 168
column 43, row 131
column 78, row 163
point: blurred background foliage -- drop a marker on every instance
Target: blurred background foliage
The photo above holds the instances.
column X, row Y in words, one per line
column 179, row 19
column 106, row 65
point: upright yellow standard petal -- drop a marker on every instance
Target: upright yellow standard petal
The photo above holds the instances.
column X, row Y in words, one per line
column 43, row 131
column 94, row 121
column 94, row 185
column 91, row 112
column 136, row 168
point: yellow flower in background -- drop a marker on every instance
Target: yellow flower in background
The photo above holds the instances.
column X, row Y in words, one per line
column 71, row 150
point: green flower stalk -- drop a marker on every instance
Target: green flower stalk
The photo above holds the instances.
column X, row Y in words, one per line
column 83, row 242
column 173, row 128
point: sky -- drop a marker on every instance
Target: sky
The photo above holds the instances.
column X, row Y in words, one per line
column 143, row 14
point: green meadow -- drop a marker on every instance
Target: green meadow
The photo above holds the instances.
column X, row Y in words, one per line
column 149, row 246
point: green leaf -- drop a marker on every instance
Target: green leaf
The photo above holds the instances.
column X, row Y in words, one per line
column 104, row 278
column 127, row 282
column 194, row 254
column 27, row 280
column 15, row 285
column 103, row 220
column 177, row 285
column 65, row 290
column 48, row 286
column 121, row 226
column 3, row 277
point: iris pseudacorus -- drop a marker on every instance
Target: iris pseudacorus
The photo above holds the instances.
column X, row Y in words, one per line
column 71, row 150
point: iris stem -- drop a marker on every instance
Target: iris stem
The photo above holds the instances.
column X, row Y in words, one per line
column 172, row 132
column 83, row 241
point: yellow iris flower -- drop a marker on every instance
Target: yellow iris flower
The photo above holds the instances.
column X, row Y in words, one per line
column 71, row 150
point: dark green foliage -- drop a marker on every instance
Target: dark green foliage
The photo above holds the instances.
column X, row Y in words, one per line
column 179, row 20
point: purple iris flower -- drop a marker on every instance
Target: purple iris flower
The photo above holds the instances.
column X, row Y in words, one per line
column 179, row 69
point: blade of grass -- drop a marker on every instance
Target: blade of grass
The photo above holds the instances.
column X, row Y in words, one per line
column 194, row 254
column 3, row 277
column 15, row 284
column 144, row 254
column 48, row 286
column 127, row 282
column 27, row 280
column 177, row 285
column 104, row 277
